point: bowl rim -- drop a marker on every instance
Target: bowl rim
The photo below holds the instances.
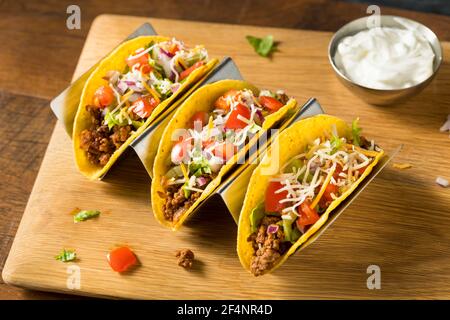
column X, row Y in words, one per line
column 334, row 39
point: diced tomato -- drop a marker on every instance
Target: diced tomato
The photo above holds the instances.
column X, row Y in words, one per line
column 308, row 215
column 180, row 151
column 104, row 96
column 233, row 121
column 337, row 171
column 142, row 59
column 121, row 259
column 225, row 150
column 146, row 69
column 270, row 103
column 272, row 201
column 200, row 119
column 361, row 170
column 207, row 143
column 326, row 199
column 174, row 49
column 222, row 103
column 189, row 70
column 144, row 106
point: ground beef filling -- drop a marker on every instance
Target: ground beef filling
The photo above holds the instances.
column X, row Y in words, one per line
column 98, row 141
column 176, row 202
column 185, row 258
column 269, row 247
column 283, row 98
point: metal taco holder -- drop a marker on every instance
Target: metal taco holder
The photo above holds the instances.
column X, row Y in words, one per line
column 65, row 105
column 233, row 189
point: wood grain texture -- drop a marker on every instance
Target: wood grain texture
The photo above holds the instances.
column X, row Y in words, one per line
column 389, row 225
column 41, row 55
column 44, row 52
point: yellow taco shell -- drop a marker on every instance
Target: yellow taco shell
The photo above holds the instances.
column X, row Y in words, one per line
column 116, row 60
column 292, row 142
column 201, row 100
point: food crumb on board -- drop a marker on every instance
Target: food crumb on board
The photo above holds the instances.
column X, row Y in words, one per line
column 402, row 166
column 185, row 258
column 442, row 182
column 446, row 126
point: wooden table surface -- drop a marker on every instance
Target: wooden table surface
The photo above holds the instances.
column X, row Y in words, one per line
column 41, row 54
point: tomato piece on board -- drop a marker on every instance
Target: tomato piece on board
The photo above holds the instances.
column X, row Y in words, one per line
column 121, row 259
column 225, row 150
column 308, row 215
column 270, row 103
column 234, row 121
column 144, row 106
column 272, row 200
column 188, row 71
column 104, row 96
column 199, row 119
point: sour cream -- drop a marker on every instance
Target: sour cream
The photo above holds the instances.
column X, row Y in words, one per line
column 385, row 58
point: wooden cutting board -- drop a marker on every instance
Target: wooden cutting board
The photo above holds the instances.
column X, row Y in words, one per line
column 401, row 222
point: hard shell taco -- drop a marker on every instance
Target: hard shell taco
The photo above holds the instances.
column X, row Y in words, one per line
column 208, row 133
column 321, row 161
column 124, row 94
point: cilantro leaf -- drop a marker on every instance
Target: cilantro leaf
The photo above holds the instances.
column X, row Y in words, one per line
column 356, row 132
column 66, row 255
column 85, row 214
column 263, row 46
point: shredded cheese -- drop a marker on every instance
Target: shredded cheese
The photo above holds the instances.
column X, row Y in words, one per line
column 151, row 91
column 402, row 166
column 324, row 186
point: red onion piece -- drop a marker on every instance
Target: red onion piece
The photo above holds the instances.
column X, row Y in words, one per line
column 166, row 53
column 175, row 87
column 273, row 228
column 122, row 87
column 260, row 116
column 201, row 181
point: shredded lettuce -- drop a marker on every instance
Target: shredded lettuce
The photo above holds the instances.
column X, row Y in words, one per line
column 336, row 144
column 356, row 132
column 163, row 88
column 187, row 192
column 111, row 119
column 200, row 167
column 174, row 172
column 256, row 216
column 293, row 166
column 291, row 232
